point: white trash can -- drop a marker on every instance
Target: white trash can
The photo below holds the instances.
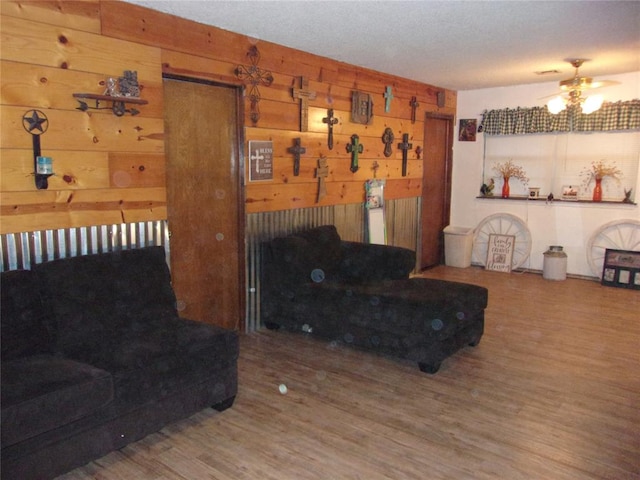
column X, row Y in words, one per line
column 458, row 245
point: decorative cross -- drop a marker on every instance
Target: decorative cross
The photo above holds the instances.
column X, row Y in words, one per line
column 405, row 146
column 321, row 173
column 375, row 168
column 330, row 120
column 387, row 139
column 304, row 94
column 354, row 148
column 254, row 76
column 296, row 150
column 257, row 157
column 414, row 105
column 388, row 96
column 36, row 120
column 418, row 152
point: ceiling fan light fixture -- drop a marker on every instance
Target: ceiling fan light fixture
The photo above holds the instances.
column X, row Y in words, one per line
column 556, row 105
column 592, row 103
column 574, row 88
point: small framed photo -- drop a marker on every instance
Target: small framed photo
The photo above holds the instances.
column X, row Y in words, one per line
column 468, row 129
column 569, row 192
column 621, row 268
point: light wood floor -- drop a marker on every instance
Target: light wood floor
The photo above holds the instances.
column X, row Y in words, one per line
column 551, row 392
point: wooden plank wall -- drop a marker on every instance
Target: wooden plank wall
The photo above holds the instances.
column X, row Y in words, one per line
column 112, row 169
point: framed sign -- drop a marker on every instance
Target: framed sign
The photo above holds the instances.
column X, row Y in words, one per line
column 260, row 160
column 621, row 268
column 500, row 252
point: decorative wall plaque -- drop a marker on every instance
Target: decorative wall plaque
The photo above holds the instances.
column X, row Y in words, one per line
column 361, row 108
column 260, row 160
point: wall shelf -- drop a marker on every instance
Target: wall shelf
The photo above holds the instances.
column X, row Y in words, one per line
column 558, row 200
column 118, row 104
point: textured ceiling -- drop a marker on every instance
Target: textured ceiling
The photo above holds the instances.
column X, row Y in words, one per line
column 460, row 45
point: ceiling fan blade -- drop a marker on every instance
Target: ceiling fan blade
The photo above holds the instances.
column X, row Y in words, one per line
column 589, row 85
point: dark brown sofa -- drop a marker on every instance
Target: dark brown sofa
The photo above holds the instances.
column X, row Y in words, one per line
column 94, row 356
column 361, row 294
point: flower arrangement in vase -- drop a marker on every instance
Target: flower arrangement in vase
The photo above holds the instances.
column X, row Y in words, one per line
column 508, row 170
column 597, row 172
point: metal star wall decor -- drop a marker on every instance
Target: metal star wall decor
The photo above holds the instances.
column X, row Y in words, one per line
column 35, row 120
column 254, row 76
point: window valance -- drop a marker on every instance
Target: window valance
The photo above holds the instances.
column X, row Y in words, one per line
column 521, row 121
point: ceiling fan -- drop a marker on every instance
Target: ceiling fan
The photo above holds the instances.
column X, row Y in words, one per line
column 575, row 87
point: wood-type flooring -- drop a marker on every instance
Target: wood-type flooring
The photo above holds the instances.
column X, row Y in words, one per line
column 552, row 392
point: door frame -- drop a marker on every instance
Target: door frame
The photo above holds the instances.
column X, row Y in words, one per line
column 240, row 159
column 448, row 165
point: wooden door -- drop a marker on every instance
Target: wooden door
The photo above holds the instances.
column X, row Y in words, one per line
column 436, row 189
column 205, row 211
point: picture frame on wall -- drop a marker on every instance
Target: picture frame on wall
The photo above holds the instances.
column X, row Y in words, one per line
column 621, row 268
column 468, row 129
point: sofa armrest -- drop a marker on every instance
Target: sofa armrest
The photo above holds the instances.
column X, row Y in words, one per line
column 366, row 262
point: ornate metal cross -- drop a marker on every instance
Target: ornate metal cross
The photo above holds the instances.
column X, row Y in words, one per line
column 414, row 105
column 387, row 139
column 304, row 94
column 321, row 173
column 388, row 96
column 255, row 76
column 296, row 150
column 330, row 120
column 354, row 148
column 405, row 146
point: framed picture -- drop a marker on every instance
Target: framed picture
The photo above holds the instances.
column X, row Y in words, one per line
column 500, row 252
column 361, row 108
column 468, row 128
column 569, row 192
column 260, row 160
column 621, row 268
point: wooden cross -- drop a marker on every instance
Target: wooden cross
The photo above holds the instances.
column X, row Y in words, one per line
column 254, row 76
column 405, row 146
column 414, row 105
column 375, row 168
column 296, row 150
column 387, row 99
column 387, row 139
column 354, row 148
column 330, row 120
column 304, row 94
column 321, row 173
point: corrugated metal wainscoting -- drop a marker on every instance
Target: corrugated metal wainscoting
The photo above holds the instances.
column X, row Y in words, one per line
column 21, row 250
column 402, row 218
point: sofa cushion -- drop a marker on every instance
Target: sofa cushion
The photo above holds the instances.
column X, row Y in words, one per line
column 23, row 316
column 95, row 297
column 43, row 392
column 164, row 358
column 299, row 257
